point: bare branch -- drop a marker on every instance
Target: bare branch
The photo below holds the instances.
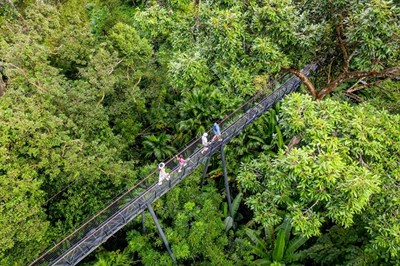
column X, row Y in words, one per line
column 346, row 58
column 113, row 67
column 363, row 163
column 353, row 96
column 101, row 100
column 355, row 84
column 137, row 83
column 351, row 55
column 368, row 85
column 312, row 206
column 393, row 72
column 2, row 88
column 329, row 71
column 293, row 142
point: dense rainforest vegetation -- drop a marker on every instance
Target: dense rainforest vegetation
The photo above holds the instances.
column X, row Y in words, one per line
column 94, row 93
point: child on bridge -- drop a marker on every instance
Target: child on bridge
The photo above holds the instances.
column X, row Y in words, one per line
column 181, row 162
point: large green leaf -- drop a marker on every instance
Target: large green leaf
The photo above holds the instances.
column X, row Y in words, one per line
column 236, row 203
column 262, row 262
column 287, row 227
column 279, row 137
column 279, row 248
column 269, row 234
column 293, row 245
column 228, row 223
column 259, row 243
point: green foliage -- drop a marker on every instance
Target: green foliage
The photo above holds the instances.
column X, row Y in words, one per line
column 157, row 147
column 112, row 259
column 96, row 86
column 193, row 226
column 230, row 220
column 71, row 43
column 279, row 247
column 386, row 95
column 358, row 43
column 189, row 71
column 370, row 32
column 199, row 108
column 263, row 135
column 278, row 26
column 54, row 139
column 130, row 46
column 276, row 247
column 373, row 32
column 98, row 18
column 341, row 246
column 346, row 156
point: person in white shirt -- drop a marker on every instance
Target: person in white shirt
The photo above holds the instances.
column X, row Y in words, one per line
column 205, row 142
column 163, row 175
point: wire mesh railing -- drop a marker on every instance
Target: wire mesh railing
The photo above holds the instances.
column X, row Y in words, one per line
column 132, row 202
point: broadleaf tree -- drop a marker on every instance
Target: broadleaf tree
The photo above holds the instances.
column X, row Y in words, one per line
column 344, row 166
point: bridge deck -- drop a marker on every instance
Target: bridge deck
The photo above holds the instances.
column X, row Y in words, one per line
column 130, row 204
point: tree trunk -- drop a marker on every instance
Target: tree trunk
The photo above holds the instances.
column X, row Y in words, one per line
column 305, row 80
column 2, row 87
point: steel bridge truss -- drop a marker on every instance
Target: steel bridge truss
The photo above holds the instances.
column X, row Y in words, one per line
column 137, row 199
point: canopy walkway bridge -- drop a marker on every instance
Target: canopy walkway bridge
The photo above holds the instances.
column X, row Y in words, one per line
column 76, row 246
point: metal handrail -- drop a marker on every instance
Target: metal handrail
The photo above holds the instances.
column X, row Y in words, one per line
column 132, row 202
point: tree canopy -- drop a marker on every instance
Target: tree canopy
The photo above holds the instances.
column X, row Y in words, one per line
column 344, row 170
column 93, row 94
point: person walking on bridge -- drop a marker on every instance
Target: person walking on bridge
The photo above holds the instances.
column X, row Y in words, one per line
column 163, row 175
column 217, row 133
column 205, row 142
column 181, row 161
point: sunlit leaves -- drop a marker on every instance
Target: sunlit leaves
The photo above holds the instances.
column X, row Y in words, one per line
column 189, row 71
column 268, row 55
column 131, row 47
column 55, row 135
column 374, row 27
column 71, row 42
column 342, row 166
column 98, row 73
column 197, row 109
column 193, row 225
column 158, row 147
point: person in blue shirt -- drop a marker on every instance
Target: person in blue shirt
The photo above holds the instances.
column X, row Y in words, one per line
column 217, row 133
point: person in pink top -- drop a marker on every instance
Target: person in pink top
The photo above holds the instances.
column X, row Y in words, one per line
column 181, row 162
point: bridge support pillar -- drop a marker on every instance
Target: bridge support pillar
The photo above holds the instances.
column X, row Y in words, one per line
column 164, row 238
column 143, row 225
column 205, row 171
column 228, row 194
